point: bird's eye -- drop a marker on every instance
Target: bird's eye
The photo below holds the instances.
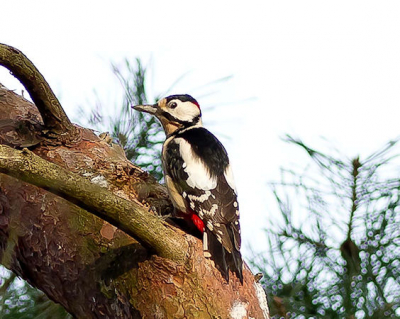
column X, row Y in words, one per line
column 173, row 105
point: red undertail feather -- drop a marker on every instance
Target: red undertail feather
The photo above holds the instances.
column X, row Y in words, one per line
column 192, row 217
column 197, row 221
column 224, row 260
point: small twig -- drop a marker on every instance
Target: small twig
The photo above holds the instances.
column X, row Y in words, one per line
column 354, row 198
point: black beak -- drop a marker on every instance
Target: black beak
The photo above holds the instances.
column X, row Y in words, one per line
column 152, row 109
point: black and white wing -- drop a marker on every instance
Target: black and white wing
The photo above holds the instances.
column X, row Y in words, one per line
column 200, row 180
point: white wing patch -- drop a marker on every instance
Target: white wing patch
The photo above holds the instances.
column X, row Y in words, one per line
column 229, row 177
column 210, row 213
column 199, row 176
column 201, row 198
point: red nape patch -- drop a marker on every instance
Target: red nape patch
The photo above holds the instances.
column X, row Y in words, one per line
column 198, row 105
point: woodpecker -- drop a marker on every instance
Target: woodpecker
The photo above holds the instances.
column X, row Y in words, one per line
column 199, row 179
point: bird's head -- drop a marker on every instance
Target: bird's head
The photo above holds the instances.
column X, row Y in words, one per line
column 174, row 112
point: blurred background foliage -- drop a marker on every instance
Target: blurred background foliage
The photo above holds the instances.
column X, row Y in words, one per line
column 331, row 252
column 19, row 300
column 140, row 134
column 334, row 250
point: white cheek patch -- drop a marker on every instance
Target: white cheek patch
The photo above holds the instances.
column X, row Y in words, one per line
column 229, row 178
column 199, row 176
column 185, row 111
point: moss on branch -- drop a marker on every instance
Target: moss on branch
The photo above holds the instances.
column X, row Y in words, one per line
column 131, row 217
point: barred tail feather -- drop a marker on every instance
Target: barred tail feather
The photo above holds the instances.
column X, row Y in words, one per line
column 223, row 259
column 236, row 255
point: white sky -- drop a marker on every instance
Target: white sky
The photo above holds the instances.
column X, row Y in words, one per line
column 309, row 68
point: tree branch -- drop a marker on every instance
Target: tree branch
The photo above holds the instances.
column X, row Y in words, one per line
column 68, row 254
column 23, row 69
column 128, row 216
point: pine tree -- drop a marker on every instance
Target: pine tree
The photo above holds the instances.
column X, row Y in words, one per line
column 335, row 251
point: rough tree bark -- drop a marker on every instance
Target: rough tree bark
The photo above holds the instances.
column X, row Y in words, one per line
column 77, row 221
